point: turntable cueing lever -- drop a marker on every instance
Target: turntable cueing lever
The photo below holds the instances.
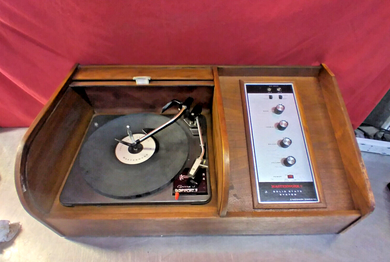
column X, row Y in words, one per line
column 196, row 111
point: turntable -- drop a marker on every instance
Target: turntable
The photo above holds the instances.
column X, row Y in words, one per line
column 156, row 159
column 189, row 150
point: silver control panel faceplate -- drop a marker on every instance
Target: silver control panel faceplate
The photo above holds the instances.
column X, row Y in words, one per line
column 282, row 167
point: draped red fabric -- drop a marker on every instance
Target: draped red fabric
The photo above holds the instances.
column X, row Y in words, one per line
column 41, row 40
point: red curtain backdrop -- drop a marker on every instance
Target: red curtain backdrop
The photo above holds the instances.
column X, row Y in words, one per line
column 41, row 40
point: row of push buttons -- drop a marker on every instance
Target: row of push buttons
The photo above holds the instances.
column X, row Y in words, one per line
column 271, row 97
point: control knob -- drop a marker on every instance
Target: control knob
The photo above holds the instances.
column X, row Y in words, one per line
column 289, row 161
column 286, row 142
column 279, row 109
column 282, row 125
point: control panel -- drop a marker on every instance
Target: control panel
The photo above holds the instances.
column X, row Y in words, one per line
column 282, row 165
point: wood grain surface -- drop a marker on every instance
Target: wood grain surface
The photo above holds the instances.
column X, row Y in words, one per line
column 155, row 72
column 52, row 152
column 283, row 71
column 350, row 154
column 24, row 146
column 120, row 225
column 151, row 83
column 221, row 149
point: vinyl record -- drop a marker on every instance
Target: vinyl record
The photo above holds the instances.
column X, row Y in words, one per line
column 102, row 170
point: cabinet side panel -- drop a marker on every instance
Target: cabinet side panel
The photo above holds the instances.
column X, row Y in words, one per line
column 53, row 147
column 221, row 149
column 350, row 153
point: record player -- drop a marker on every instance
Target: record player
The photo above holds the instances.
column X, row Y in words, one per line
column 189, row 150
column 157, row 160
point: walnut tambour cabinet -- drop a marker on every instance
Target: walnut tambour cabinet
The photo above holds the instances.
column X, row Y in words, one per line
column 50, row 146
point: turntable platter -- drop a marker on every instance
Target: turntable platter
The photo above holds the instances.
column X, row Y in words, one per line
column 109, row 176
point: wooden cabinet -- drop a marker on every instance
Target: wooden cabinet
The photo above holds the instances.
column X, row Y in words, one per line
column 52, row 142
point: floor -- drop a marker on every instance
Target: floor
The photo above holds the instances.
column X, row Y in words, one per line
column 367, row 241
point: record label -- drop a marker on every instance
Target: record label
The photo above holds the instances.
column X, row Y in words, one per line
column 122, row 151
